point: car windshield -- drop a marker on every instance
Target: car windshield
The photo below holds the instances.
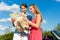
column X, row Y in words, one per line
column 57, row 33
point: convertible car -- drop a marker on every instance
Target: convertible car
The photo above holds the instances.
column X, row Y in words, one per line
column 56, row 33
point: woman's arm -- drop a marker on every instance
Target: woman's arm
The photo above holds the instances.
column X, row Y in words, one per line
column 38, row 21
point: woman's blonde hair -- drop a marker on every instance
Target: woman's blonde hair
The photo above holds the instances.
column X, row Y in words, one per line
column 37, row 11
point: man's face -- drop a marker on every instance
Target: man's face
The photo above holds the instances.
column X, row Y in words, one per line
column 23, row 9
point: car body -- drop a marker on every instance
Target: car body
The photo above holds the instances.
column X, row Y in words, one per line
column 56, row 33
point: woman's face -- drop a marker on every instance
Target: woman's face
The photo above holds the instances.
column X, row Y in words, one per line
column 32, row 9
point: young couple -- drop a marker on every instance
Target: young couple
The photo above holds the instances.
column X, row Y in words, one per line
column 35, row 31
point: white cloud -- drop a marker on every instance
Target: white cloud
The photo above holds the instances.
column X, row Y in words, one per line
column 3, row 27
column 9, row 19
column 6, row 29
column 44, row 21
column 5, row 7
column 58, row 0
column 5, row 20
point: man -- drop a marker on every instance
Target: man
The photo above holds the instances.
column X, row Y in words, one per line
column 21, row 35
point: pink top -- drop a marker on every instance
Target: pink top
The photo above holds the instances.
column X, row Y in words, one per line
column 35, row 34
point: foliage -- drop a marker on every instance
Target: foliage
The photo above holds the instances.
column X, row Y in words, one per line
column 8, row 36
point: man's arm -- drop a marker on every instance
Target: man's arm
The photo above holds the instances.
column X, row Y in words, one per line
column 12, row 20
column 29, row 17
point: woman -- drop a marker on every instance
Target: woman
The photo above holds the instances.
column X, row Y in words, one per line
column 35, row 31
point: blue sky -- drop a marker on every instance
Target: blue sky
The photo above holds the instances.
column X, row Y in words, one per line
column 50, row 10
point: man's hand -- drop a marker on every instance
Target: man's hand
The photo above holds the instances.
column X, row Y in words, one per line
column 12, row 19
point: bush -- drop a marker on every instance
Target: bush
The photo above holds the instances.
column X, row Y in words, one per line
column 8, row 36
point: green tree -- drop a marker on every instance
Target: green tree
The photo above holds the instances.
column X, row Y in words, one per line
column 8, row 36
column 57, row 27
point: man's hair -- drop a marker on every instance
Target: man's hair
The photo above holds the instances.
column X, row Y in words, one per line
column 23, row 4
